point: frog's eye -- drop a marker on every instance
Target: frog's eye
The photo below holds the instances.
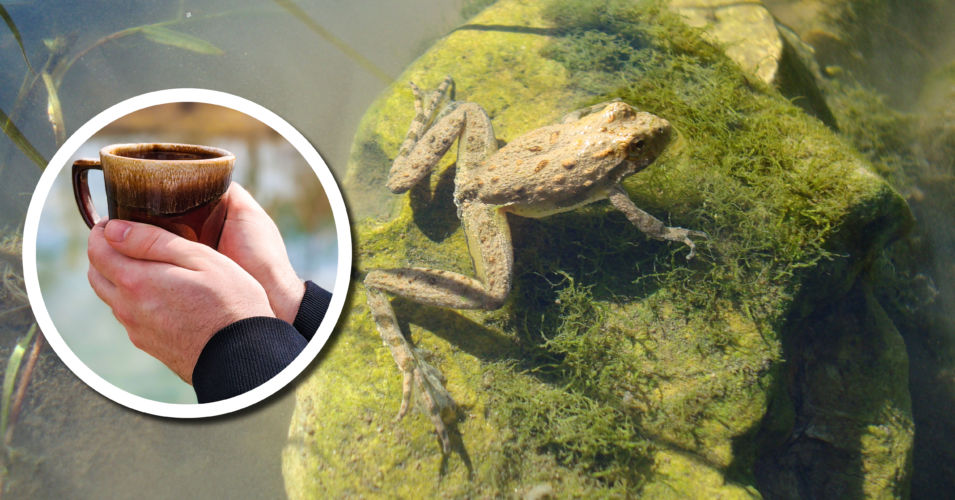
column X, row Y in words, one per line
column 636, row 149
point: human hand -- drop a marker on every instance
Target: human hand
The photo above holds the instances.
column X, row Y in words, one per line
column 252, row 240
column 171, row 294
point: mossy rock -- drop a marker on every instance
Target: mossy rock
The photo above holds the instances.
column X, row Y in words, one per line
column 616, row 367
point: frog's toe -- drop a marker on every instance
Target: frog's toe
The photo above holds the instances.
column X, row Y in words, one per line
column 437, row 401
column 681, row 235
column 406, row 385
column 432, row 397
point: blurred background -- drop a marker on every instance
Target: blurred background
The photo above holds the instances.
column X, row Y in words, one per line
column 267, row 165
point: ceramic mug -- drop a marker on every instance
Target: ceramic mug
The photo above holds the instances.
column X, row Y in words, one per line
column 177, row 187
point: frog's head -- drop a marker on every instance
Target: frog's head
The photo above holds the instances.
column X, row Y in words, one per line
column 648, row 136
column 638, row 137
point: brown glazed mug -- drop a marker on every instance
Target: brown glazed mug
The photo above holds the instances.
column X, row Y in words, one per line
column 177, row 187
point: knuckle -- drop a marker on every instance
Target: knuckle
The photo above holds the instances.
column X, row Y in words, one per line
column 124, row 317
column 128, row 282
column 93, row 280
column 151, row 243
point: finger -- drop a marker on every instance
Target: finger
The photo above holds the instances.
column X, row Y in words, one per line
column 147, row 242
column 96, row 232
column 125, row 273
column 103, row 258
column 104, row 288
column 113, row 296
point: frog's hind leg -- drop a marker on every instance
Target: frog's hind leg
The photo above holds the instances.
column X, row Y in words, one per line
column 426, row 145
column 489, row 240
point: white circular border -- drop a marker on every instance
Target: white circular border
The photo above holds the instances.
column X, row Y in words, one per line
column 342, row 277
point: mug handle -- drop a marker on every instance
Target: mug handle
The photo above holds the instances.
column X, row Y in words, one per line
column 81, row 189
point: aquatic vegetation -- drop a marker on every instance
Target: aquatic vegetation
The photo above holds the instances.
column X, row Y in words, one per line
column 9, row 406
column 886, row 137
column 472, row 7
column 164, row 36
column 13, row 310
column 20, row 140
column 16, row 34
column 559, row 413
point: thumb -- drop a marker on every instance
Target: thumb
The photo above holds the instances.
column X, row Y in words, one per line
column 241, row 203
column 147, row 242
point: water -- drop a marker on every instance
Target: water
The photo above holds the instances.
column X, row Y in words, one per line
column 72, row 442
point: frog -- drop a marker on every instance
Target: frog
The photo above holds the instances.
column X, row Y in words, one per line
column 579, row 160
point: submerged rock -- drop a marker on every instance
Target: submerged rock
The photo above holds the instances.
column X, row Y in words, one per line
column 750, row 36
column 616, row 367
column 887, row 44
column 746, row 29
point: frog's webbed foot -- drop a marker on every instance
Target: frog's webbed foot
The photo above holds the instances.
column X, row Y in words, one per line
column 419, row 377
column 436, row 402
column 679, row 234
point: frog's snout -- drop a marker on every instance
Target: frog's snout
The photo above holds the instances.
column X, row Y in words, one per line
column 662, row 129
column 652, row 138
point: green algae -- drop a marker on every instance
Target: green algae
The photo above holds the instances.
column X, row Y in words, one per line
column 616, row 367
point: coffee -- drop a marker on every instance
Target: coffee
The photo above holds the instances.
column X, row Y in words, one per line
column 178, row 187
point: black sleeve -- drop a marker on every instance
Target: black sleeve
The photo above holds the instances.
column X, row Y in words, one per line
column 243, row 355
column 312, row 310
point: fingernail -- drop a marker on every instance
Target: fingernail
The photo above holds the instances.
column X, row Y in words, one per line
column 116, row 230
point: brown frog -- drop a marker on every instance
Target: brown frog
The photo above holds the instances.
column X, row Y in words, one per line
column 546, row 171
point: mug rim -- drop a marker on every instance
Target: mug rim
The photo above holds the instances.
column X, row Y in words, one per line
column 114, row 151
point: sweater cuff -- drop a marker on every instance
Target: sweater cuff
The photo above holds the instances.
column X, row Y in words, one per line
column 312, row 310
column 244, row 355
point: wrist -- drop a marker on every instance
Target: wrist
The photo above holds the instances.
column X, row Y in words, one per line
column 286, row 299
column 240, row 313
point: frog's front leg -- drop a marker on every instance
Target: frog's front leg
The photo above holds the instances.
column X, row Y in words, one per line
column 650, row 225
column 489, row 240
column 425, row 107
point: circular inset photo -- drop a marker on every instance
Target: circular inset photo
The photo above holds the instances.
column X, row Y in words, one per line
column 187, row 253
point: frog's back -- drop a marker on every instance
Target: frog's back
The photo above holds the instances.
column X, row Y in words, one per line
column 550, row 164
